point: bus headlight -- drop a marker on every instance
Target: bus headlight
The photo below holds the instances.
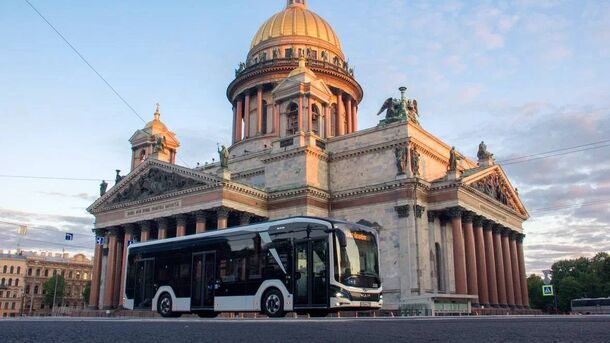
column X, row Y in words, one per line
column 343, row 294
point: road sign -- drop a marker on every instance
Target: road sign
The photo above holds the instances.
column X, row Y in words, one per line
column 69, row 236
column 547, row 290
column 99, row 240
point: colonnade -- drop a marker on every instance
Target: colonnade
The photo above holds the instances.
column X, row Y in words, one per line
column 117, row 239
column 345, row 121
column 487, row 258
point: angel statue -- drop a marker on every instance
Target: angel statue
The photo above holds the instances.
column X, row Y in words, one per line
column 389, row 107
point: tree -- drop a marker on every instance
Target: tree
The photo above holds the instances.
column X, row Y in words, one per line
column 49, row 290
column 534, row 288
column 569, row 288
column 86, row 292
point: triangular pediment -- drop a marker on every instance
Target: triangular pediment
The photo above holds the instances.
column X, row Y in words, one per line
column 152, row 179
column 493, row 182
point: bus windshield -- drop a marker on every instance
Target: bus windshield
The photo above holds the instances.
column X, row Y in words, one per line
column 356, row 261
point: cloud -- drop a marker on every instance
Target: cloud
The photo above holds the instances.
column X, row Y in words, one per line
column 81, row 196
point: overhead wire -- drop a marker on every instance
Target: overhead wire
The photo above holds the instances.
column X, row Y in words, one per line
column 92, row 68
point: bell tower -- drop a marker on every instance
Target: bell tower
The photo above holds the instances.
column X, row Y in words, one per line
column 155, row 140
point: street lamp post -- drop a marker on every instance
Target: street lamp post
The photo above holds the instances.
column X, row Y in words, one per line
column 55, row 292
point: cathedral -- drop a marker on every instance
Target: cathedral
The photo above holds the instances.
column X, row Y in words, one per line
column 450, row 227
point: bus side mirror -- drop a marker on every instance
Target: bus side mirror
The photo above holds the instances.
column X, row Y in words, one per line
column 341, row 238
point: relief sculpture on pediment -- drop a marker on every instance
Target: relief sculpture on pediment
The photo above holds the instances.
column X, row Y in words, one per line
column 152, row 183
column 494, row 186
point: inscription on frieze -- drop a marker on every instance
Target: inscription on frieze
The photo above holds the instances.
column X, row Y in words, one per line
column 152, row 208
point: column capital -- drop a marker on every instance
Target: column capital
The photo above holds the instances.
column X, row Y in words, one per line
column 477, row 221
column 454, row 212
column 162, row 221
column 431, row 215
column 180, row 219
column 222, row 212
column 129, row 229
column 520, row 237
column 419, row 210
column 113, row 231
column 145, row 225
column 201, row 215
column 497, row 228
column 99, row 232
column 488, row 224
column 467, row 216
column 402, row 211
column 506, row 232
column 244, row 218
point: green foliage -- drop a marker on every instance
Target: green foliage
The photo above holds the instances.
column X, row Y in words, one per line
column 87, row 292
column 49, row 290
column 534, row 288
column 578, row 278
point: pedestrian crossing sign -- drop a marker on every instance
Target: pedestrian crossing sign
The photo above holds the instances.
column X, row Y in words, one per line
column 547, row 290
column 69, row 236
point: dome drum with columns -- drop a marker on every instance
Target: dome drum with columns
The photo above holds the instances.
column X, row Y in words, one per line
column 450, row 227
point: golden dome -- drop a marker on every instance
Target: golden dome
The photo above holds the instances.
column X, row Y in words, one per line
column 296, row 20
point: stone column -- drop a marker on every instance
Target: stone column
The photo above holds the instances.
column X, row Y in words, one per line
column 309, row 114
column 437, row 261
column 514, row 261
column 180, row 225
column 276, row 119
column 459, row 255
column 259, row 110
column 129, row 229
column 481, row 263
column 327, row 121
column 349, row 115
column 300, row 114
column 471, row 258
column 162, row 232
column 94, row 296
column 239, row 119
column 244, row 219
column 355, row 120
column 500, row 278
column 223, row 216
column 247, row 115
column 490, row 263
column 525, row 300
column 508, row 269
column 234, row 137
column 340, row 114
column 118, row 271
column 144, row 231
column 201, row 218
column 110, row 268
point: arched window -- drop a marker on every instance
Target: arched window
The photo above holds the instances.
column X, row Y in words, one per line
column 36, row 289
column 85, row 275
column 46, row 272
column 18, row 270
column 12, row 269
column 439, row 270
column 142, row 155
column 28, row 289
column 16, row 282
column 4, row 269
column 264, row 119
column 77, row 275
column 3, row 281
column 70, row 275
column 30, row 272
column 38, row 272
column 293, row 118
column 10, row 282
column 315, row 119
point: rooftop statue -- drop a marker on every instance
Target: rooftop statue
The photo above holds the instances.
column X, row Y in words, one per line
column 159, row 144
column 399, row 109
column 223, row 155
column 103, row 187
column 483, row 154
column 453, row 158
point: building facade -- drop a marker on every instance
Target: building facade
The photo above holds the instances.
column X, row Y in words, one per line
column 450, row 226
column 23, row 276
column 12, row 275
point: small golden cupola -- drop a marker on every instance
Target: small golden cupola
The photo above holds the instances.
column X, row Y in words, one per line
column 155, row 140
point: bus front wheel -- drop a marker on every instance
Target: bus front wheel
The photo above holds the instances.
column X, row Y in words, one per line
column 273, row 304
column 164, row 306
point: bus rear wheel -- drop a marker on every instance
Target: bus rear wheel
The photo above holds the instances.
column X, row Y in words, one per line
column 273, row 304
column 164, row 307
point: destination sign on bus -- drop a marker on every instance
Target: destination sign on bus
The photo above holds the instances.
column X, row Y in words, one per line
column 360, row 236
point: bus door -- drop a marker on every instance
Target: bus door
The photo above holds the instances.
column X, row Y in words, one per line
column 204, row 279
column 310, row 273
column 144, row 283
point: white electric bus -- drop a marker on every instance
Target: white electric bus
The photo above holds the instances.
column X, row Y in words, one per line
column 302, row 264
column 591, row 305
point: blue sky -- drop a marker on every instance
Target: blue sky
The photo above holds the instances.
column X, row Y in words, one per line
column 526, row 76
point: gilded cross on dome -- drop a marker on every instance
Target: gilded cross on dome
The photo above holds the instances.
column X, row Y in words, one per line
column 157, row 112
column 296, row 3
